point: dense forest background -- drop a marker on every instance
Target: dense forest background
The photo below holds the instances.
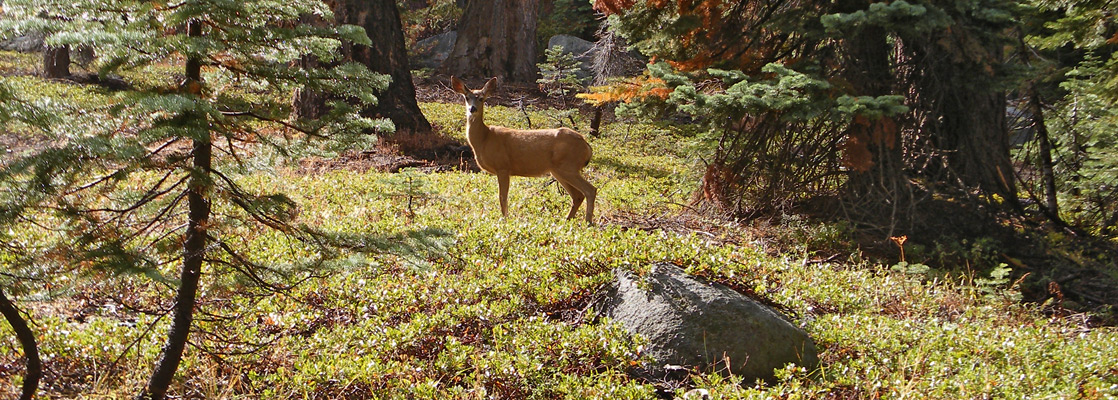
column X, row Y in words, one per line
column 972, row 142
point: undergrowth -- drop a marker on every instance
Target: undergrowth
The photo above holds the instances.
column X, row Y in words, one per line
column 449, row 300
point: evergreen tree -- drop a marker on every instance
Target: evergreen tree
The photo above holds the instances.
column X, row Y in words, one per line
column 1071, row 94
column 182, row 137
column 387, row 55
column 558, row 73
column 13, row 201
column 803, row 98
column 1084, row 126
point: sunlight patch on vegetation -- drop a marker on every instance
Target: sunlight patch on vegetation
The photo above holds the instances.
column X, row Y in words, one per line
column 14, row 62
column 459, row 302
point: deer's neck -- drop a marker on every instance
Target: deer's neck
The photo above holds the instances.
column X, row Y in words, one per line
column 476, row 130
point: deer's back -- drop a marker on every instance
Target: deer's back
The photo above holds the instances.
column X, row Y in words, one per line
column 533, row 152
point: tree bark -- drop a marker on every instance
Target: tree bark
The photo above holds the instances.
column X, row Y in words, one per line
column 26, row 340
column 56, row 62
column 960, row 112
column 596, row 121
column 387, row 55
column 496, row 38
column 193, row 249
column 1047, row 170
column 877, row 181
column 975, row 138
column 309, row 104
column 1036, row 115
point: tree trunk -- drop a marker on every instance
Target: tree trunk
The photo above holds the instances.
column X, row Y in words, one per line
column 26, row 340
column 976, row 139
column 960, row 112
column 381, row 20
column 496, row 38
column 596, row 121
column 873, row 152
column 308, row 104
column 1047, row 170
column 1036, row 115
column 194, row 248
column 56, row 62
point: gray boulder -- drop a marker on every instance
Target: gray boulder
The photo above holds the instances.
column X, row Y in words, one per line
column 28, row 43
column 704, row 326
column 581, row 49
column 572, row 44
column 430, row 52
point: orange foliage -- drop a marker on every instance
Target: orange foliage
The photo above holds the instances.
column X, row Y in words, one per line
column 885, row 131
column 609, row 7
column 709, row 12
column 659, row 92
column 731, row 33
column 641, row 87
column 865, row 132
column 856, row 151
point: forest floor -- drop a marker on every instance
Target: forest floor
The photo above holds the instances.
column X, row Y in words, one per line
column 460, row 303
column 1052, row 264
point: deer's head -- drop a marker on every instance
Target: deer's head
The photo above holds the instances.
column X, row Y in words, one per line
column 475, row 99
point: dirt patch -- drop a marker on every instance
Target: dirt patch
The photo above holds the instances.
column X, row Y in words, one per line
column 430, row 147
column 13, row 145
column 427, row 152
column 508, row 94
column 369, row 160
column 362, row 161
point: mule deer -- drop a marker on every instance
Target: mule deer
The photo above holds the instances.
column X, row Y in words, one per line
column 505, row 152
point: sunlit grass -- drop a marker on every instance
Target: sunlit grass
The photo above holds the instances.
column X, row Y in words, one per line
column 16, row 63
column 458, row 302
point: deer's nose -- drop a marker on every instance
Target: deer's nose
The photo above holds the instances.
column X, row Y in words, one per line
column 473, row 109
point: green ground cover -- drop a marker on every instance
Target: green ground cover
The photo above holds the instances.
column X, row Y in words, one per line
column 460, row 303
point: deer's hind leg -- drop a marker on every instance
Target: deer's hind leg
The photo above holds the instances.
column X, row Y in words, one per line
column 576, row 197
column 574, row 179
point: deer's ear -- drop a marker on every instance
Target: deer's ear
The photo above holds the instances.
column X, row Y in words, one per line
column 457, row 85
column 490, row 85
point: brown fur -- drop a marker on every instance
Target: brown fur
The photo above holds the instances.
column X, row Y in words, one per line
column 506, row 152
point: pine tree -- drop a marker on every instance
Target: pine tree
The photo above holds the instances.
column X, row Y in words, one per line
column 804, row 97
column 387, row 55
column 187, row 135
column 13, row 201
column 1072, row 94
column 558, row 73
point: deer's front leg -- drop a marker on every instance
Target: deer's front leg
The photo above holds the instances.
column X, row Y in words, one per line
column 503, row 188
